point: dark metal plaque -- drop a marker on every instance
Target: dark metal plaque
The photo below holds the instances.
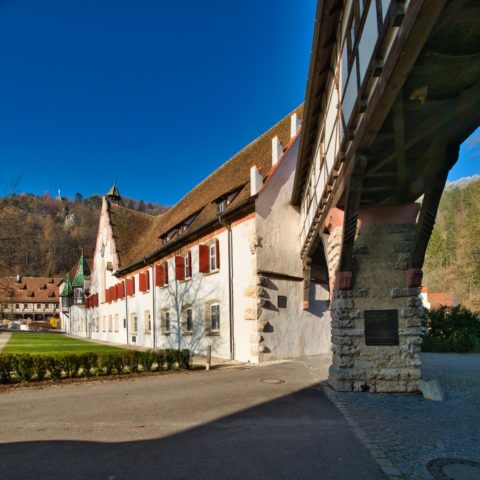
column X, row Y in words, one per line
column 282, row 301
column 381, row 327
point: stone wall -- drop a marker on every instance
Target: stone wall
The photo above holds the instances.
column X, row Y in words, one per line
column 379, row 279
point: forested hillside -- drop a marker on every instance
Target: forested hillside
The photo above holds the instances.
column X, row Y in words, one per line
column 453, row 255
column 42, row 235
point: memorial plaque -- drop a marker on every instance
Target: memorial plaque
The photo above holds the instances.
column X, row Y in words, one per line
column 381, row 327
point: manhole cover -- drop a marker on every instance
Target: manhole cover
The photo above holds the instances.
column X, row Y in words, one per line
column 272, row 381
column 454, row 469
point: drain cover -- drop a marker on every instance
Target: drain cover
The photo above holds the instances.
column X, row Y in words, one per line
column 272, row 381
column 454, row 469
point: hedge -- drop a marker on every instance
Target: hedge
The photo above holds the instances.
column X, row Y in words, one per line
column 26, row 367
column 451, row 329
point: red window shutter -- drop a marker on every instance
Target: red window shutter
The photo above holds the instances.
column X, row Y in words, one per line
column 131, row 286
column 107, row 295
column 189, row 263
column 217, row 253
column 204, row 262
column 159, row 278
column 179, row 268
column 120, row 290
column 113, row 294
column 165, row 273
column 144, row 281
column 87, row 302
column 95, row 304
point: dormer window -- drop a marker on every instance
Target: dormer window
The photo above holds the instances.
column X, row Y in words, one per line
column 222, row 205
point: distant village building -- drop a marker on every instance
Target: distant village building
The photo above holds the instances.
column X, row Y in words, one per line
column 437, row 299
column 221, row 268
column 28, row 298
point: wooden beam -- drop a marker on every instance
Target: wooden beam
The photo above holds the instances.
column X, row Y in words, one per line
column 399, row 133
column 426, row 221
column 352, row 208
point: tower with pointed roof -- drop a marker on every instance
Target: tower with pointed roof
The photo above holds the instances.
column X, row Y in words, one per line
column 113, row 194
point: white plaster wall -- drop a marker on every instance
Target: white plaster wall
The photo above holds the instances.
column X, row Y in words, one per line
column 244, row 280
column 203, row 290
column 291, row 331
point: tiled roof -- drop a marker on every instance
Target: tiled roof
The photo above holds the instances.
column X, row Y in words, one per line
column 73, row 271
column 82, row 272
column 113, row 192
column 439, row 299
column 137, row 235
column 29, row 289
column 67, row 289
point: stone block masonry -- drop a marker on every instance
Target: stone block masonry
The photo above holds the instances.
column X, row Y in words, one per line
column 379, row 279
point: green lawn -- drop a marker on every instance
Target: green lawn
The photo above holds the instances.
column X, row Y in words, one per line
column 52, row 343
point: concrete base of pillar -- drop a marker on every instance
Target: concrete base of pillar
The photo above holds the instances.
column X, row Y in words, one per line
column 378, row 283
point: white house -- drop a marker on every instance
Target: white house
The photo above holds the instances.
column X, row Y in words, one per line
column 220, row 268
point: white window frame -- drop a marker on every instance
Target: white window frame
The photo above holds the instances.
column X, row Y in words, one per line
column 186, row 267
column 134, row 323
column 166, row 321
column 104, row 323
column 189, row 309
column 211, row 317
column 116, row 323
column 212, row 257
column 147, row 322
column 110, row 323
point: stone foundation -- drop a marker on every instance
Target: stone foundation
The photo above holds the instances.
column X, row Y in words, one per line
column 379, row 282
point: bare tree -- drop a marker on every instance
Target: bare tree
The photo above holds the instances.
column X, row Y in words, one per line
column 180, row 296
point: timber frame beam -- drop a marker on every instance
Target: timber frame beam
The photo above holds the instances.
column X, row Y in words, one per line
column 435, row 183
column 343, row 280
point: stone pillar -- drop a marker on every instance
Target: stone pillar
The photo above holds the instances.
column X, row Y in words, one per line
column 381, row 252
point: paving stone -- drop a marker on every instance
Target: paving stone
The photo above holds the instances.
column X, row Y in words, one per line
column 407, row 431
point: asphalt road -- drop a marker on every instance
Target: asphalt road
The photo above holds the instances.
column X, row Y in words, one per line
column 224, row 424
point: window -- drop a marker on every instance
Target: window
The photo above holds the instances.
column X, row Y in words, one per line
column 222, row 206
column 115, row 326
column 144, row 281
column 213, row 257
column 134, row 323
column 189, row 320
column 215, row 317
column 188, row 265
column 17, row 305
column 110, row 325
column 25, row 306
column 97, row 324
column 147, row 320
column 167, row 322
column 38, row 305
column 104, row 323
column 161, row 275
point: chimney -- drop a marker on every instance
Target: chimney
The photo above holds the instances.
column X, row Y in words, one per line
column 294, row 124
column 256, row 180
column 277, row 150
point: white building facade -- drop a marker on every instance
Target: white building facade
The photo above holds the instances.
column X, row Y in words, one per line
column 219, row 269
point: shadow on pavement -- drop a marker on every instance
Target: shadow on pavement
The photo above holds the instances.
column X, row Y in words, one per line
column 298, row 436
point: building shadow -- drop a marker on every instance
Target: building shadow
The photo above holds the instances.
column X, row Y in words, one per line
column 297, row 436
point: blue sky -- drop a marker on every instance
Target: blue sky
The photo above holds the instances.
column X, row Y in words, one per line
column 155, row 94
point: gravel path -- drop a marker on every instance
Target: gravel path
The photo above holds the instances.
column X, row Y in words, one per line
column 4, row 338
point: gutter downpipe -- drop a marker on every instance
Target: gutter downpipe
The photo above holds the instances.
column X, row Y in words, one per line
column 153, row 287
column 228, row 226
column 126, row 305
